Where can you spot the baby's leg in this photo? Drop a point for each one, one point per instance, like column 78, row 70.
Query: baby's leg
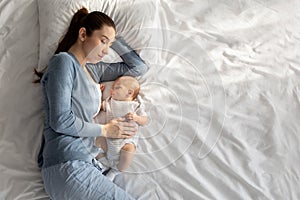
column 126, row 156
column 100, row 142
column 102, row 162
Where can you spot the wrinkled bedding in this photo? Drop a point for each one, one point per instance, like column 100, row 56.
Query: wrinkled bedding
column 222, row 92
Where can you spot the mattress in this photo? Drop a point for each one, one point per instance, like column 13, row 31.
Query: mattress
column 222, row 93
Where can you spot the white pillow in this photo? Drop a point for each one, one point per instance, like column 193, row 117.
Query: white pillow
column 132, row 19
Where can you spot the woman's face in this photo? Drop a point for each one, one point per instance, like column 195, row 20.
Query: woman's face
column 96, row 46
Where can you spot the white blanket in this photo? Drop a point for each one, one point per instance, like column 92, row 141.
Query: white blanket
column 222, row 92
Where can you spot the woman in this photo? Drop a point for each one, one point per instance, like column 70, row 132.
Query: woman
column 72, row 98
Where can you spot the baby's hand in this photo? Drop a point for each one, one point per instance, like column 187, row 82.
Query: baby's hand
column 129, row 116
column 102, row 87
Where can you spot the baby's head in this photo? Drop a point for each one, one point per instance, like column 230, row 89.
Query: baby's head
column 125, row 88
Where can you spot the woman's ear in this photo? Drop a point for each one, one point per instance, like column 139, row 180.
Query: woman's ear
column 82, row 34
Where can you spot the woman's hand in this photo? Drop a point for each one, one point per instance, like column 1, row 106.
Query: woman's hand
column 119, row 128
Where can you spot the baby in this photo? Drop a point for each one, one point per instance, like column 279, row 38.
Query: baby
column 122, row 102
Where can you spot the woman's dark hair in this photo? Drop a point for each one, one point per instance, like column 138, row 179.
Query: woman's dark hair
column 82, row 18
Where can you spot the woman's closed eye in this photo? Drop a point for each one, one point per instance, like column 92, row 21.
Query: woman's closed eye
column 104, row 42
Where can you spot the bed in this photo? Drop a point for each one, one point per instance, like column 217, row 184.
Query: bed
column 222, row 92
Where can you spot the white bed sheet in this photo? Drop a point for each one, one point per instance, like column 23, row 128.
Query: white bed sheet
column 222, row 93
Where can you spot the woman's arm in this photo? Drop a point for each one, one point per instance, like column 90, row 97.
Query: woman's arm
column 132, row 64
column 58, row 84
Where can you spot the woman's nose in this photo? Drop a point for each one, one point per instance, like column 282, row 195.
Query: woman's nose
column 105, row 50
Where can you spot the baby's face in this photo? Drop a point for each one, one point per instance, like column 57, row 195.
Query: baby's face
column 119, row 91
